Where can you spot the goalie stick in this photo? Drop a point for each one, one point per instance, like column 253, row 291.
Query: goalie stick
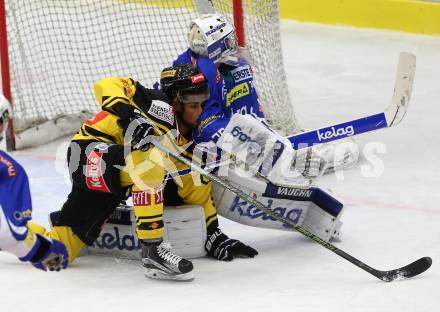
column 410, row 270
column 391, row 117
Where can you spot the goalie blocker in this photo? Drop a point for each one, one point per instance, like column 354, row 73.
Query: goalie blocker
column 313, row 208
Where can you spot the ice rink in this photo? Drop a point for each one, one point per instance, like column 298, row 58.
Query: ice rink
column 392, row 216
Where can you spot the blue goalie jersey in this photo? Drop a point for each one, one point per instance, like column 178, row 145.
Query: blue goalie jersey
column 15, row 197
column 231, row 91
column 240, row 96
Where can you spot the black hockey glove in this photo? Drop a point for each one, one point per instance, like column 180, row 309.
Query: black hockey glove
column 137, row 130
column 221, row 247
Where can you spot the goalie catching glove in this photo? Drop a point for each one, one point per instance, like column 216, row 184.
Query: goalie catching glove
column 221, row 247
column 137, row 130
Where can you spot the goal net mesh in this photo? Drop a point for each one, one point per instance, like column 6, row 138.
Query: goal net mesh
column 58, row 49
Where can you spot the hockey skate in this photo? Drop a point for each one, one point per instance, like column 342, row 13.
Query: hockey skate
column 160, row 263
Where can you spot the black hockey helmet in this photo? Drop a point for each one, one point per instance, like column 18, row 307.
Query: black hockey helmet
column 183, row 79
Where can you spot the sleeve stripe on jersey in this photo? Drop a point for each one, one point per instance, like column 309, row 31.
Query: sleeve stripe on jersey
column 97, row 133
column 148, row 217
column 112, row 99
column 211, row 218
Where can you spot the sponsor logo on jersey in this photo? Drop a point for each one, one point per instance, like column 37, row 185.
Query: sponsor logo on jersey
column 113, row 240
column 128, row 87
column 206, row 121
column 20, row 215
column 94, row 172
column 335, row 132
column 158, row 196
column 12, row 172
column 241, row 73
column 237, row 92
column 218, row 76
column 19, row 232
column 217, row 134
column 27, row 214
column 237, row 132
column 167, row 73
column 243, row 208
column 141, row 198
column 162, row 111
column 213, row 30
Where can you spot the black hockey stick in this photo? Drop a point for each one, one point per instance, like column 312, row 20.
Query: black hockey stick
column 407, row 271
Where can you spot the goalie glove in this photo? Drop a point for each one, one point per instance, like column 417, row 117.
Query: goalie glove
column 309, row 162
column 51, row 255
column 268, row 154
column 221, row 247
column 137, row 129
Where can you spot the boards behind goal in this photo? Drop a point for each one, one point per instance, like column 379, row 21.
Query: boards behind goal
column 57, row 49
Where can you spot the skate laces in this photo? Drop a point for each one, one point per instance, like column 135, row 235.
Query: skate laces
column 164, row 251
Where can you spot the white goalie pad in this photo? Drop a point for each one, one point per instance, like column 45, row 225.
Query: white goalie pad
column 184, row 228
column 313, row 208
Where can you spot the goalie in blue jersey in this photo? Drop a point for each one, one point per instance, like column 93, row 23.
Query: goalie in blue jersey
column 213, row 49
column 16, row 236
column 233, row 121
column 234, row 107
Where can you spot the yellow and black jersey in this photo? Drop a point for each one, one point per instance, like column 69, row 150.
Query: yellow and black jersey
column 119, row 97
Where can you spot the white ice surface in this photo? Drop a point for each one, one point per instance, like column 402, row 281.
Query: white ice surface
column 335, row 74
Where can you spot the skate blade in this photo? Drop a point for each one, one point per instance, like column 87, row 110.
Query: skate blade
column 157, row 274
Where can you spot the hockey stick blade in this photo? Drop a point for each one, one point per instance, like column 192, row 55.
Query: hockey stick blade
column 391, row 117
column 408, row 271
column 402, row 89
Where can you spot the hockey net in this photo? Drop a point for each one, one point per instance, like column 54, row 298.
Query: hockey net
column 58, row 49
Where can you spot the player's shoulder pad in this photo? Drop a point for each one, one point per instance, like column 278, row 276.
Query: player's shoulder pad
column 157, row 94
column 155, row 104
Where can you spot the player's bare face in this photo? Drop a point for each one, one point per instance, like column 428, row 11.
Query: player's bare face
column 191, row 112
column 193, row 106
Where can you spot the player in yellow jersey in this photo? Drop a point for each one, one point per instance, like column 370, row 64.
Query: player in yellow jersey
column 110, row 158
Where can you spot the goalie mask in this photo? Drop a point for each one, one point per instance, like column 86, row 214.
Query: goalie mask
column 5, row 115
column 212, row 36
column 184, row 82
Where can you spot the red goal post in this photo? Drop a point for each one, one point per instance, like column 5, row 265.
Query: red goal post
column 52, row 52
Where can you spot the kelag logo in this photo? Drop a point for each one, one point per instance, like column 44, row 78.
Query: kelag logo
column 247, row 210
column 109, row 240
column 335, row 132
